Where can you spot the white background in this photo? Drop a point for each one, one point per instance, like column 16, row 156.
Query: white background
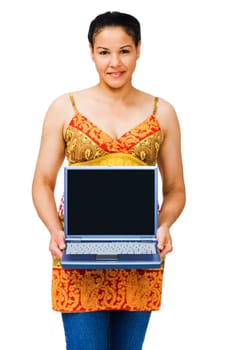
column 44, row 53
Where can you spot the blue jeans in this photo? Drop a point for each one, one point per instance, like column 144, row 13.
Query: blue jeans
column 105, row 330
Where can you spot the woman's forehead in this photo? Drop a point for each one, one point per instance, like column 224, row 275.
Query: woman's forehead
column 109, row 35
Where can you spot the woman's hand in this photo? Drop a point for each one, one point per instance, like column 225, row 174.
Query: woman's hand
column 164, row 240
column 57, row 244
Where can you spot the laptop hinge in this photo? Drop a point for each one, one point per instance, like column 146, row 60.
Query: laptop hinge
column 110, row 238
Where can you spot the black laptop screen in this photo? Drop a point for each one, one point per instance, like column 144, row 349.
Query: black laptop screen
column 110, row 201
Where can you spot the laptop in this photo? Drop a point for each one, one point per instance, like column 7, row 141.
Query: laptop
column 110, row 217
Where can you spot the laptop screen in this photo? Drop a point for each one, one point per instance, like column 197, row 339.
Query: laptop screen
column 110, row 200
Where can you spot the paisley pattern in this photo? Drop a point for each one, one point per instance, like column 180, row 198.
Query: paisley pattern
column 93, row 290
column 85, row 141
column 110, row 289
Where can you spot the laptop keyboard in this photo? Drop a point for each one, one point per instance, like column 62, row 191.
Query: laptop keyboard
column 111, row 248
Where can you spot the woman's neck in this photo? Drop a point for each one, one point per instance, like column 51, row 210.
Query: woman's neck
column 125, row 94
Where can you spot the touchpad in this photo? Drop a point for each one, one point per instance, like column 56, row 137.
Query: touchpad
column 107, row 257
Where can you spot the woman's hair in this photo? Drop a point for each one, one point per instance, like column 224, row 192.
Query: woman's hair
column 115, row 19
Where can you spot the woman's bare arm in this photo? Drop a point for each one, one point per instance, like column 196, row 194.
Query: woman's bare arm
column 171, row 170
column 50, row 158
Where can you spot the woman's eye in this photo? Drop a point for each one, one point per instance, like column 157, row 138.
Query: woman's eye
column 124, row 51
column 103, row 52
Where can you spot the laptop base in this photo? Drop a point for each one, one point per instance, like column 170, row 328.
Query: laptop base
column 92, row 261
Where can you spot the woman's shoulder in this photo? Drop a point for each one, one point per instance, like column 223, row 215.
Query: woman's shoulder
column 167, row 115
column 59, row 104
column 165, row 106
column 60, row 110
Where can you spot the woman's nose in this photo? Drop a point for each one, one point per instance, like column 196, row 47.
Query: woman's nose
column 115, row 60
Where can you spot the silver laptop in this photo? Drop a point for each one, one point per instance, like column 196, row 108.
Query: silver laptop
column 110, row 217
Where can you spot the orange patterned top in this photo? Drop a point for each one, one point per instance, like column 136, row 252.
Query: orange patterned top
column 75, row 290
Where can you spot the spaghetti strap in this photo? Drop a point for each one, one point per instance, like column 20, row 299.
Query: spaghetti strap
column 73, row 102
column 155, row 109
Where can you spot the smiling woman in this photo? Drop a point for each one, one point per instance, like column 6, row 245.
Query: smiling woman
column 115, row 55
column 110, row 122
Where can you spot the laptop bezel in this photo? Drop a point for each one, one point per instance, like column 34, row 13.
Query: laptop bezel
column 107, row 237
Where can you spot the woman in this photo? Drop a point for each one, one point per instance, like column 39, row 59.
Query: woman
column 109, row 309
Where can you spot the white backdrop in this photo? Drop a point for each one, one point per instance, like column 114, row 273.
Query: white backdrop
column 44, row 53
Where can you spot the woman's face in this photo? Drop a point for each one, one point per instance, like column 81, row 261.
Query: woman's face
column 115, row 55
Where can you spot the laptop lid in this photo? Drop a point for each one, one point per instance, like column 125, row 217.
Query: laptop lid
column 110, row 202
